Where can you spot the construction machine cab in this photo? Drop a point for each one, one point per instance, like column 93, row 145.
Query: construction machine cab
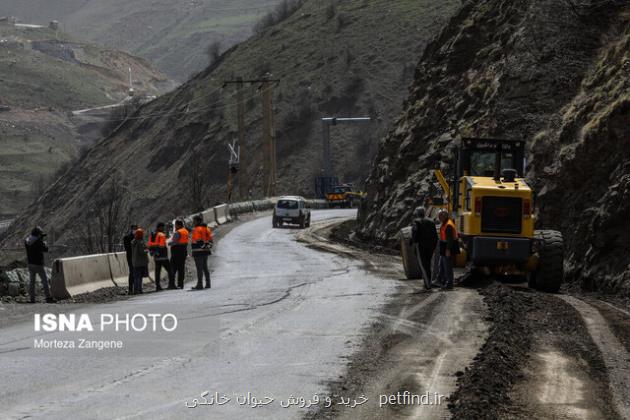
column 489, row 158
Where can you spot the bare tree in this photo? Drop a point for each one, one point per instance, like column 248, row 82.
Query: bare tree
column 196, row 183
column 108, row 218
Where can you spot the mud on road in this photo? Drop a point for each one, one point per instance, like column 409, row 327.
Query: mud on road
column 507, row 352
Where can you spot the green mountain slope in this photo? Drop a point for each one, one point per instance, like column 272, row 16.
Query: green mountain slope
column 43, row 76
column 40, row 67
column 172, row 35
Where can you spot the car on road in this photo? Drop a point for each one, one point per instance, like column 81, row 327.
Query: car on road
column 291, row 209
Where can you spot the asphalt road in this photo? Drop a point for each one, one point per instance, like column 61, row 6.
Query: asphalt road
column 280, row 321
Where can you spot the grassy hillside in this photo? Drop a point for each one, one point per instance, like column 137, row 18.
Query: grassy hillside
column 44, row 75
column 353, row 58
column 554, row 74
column 172, row 35
column 44, row 68
column 34, row 145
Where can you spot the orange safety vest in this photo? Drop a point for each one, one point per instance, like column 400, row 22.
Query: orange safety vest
column 183, row 236
column 158, row 240
column 201, row 233
column 449, row 222
column 157, row 243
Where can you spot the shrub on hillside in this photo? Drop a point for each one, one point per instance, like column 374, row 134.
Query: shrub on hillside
column 282, row 11
column 331, row 9
column 342, row 21
column 213, row 51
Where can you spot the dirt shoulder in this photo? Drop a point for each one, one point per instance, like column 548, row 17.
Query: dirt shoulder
column 535, row 358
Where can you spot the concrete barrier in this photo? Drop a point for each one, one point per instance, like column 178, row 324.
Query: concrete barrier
column 317, row 204
column 210, row 218
column 76, row 275
column 263, row 205
column 221, row 214
column 241, row 208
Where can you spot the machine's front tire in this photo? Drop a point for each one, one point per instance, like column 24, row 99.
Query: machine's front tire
column 550, row 273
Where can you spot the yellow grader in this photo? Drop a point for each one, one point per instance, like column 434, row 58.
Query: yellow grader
column 493, row 208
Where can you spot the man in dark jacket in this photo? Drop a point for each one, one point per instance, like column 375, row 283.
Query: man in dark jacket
column 127, row 239
column 424, row 238
column 35, row 249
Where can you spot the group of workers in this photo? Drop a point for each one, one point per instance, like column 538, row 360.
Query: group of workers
column 138, row 253
column 424, row 237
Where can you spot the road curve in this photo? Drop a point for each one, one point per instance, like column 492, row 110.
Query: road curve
column 281, row 320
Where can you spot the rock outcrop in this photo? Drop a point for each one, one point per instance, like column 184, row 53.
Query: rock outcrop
column 554, row 73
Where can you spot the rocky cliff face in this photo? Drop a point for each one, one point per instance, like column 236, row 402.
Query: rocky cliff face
column 554, row 73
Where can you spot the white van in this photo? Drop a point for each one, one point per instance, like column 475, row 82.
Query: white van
column 291, row 209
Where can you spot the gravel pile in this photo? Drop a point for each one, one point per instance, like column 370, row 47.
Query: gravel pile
column 483, row 389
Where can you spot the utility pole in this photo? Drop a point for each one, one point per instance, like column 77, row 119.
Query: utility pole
column 326, row 123
column 269, row 137
column 324, row 182
column 243, row 181
column 233, row 166
column 269, row 140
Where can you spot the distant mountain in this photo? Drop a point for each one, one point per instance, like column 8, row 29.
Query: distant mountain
column 173, row 35
column 44, row 75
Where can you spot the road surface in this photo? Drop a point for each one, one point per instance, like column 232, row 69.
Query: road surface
column 279, row 321
column 294, row 315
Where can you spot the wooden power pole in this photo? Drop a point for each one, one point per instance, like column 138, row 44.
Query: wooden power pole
column 269, row 140
column 269, row 137
column 243, row 180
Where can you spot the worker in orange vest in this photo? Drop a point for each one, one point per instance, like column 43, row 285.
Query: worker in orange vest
column 201, row 248
column 179, row 252
column 157, row 248
column 449, row 247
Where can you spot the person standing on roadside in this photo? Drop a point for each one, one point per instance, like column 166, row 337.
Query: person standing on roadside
column 127, row 239
column 140, row 260
column 157, row 248
column 179, row 252
column 449, row 247
column 35, row 249
column 425, row 238
column 201, row 249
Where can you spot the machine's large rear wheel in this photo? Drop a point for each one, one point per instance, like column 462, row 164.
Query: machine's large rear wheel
column 550, row 273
